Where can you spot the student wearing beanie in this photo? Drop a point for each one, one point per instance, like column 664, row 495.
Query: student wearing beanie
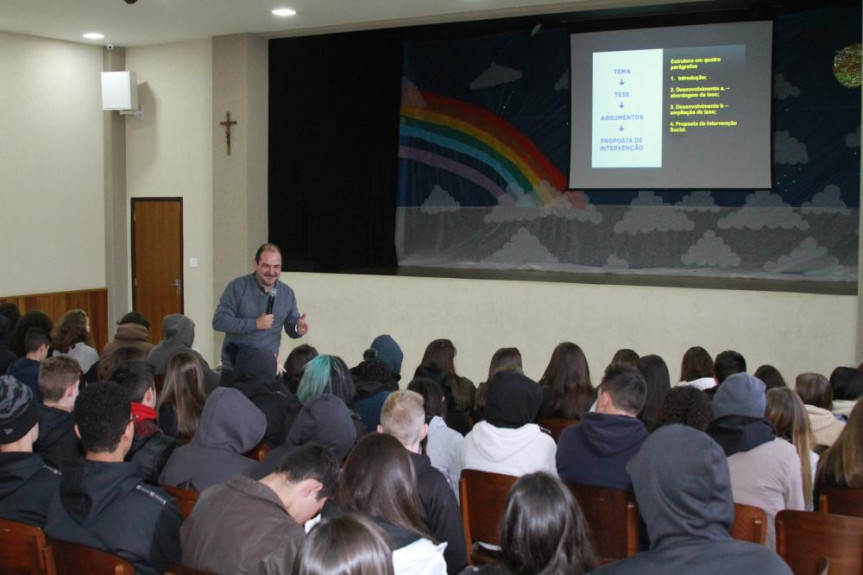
column 390, row 353
column 765, row 469
column 26, row 483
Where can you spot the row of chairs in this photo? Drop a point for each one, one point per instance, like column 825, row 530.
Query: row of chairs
column 614, row 522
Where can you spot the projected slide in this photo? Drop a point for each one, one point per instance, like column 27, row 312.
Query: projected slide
column 684, row 107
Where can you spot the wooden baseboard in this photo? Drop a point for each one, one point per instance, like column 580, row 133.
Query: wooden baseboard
column 93, row 301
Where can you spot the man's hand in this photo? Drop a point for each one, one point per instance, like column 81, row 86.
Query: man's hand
column 302, row 327
column 264, row 321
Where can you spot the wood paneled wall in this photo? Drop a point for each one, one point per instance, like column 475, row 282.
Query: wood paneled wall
column 94, row 302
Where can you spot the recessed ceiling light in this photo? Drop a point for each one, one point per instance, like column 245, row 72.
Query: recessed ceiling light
column 94, row 35
column 284, row 12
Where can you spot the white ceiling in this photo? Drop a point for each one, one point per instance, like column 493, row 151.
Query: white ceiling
column 162, row 21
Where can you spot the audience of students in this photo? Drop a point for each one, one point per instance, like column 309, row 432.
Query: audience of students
column 505, row 358
column 842, row 464
column 847, row 384
column 133, row 330
column 403, row 417
column 596, row 451
column 296, row 363
column 248, row 526
column 817, row 395
column 59, row 381
column 443, row 444
column 655, row 373
column 686, row 405
column 178, row 334
column 542, row 530
column 765, row 469
column 71, row 336
column 230, row 426
column 696, row 369
column 770, row 376
column 508, row 441
column 684, row 492
column 346, row 545
column 442, row 352
column 150, row 447
column 26, row 369
column 27, row 484
column 103, row 501
column 379, row 482
column 566, row 388
column 785, row 410
column 182, row 399
column 325, row 420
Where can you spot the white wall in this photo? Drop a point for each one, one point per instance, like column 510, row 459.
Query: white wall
column 51, row 166
column 794, row 332
column 169, row 154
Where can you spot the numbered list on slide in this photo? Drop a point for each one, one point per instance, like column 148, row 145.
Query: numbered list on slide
column 645, row 101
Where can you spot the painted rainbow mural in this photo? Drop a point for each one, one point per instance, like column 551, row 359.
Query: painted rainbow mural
column 473, row 131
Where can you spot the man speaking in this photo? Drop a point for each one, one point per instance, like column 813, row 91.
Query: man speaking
column 253, row 308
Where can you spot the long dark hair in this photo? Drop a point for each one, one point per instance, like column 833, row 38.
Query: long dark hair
column 184, row 389
column 655, row 373
column 543, row 530
column 696, row 363
column 568, row 375
column 379, row 481
column 346, row 545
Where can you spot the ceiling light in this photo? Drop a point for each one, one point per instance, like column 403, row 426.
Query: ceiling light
column 94, row 35
column 284, row 12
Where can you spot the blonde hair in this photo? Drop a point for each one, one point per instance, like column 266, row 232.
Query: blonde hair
column 184, row 389
column 403, row 416
column 786, row 412
column 842, row 464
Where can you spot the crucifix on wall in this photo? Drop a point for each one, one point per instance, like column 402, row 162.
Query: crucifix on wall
column 227, row 124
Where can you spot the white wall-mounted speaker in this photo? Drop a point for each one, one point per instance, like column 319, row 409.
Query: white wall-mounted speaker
column 119, row 91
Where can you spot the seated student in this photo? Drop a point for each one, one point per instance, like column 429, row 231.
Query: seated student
column 655, row 373
column 379, row 482
column 842, row 464
column 686, row 405
column 785, row 410
column 255, row 375
column 33, row 318
column 505, row 358
column 542, row 530
column 596, row 451
column 59, row 379
column 374, row 381
column 765, row 469
column 251, row 527
column 151, row 448
column 324, row 419
column 817, row 395
column 182, row 399
column 847, row 385
column 71, row 336
column 178, row 334
column 455, row 418
column 347, row 545
column 26, row 483
column 133, row 330
column 683, row 489
column 403, row 417
column 441, row 353
column 696, row 369
column 230, row 426
column 443, row 444
column 508, row 441
column 104, row 502
column 26, row 369
column 296, row 363
column 566, row 387
column 770, row 376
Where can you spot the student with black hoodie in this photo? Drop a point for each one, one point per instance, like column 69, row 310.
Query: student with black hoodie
column 103, row 501
column 26, row 483
column 683, row 489
column 59, row 378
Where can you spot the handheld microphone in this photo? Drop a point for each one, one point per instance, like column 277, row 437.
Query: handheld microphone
column 271, row 301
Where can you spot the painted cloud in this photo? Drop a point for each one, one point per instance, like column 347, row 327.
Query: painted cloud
column 700, row 201
column 648, row 213
column 615, row 262
column 569, row 205
column 788, row 150
column 710, row 250
column 439, row 201
column 763, row 210
column 827, row 201
column 807, row 258
column 522, row 248
column 784, row 89
column 495, row 75
column 852, row 140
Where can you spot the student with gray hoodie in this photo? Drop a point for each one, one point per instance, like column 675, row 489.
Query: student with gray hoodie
column 230, row 426
column 178, row 334
column 683, row 489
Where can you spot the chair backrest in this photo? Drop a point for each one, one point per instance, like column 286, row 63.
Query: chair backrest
column 750, row 524
column 483, row 498
column 259, row 452
column 556, row 425
column 73, row 559
column 613, row 518
column 807, row 541
column 841, row 501
column 24, row 550
column 186, row 498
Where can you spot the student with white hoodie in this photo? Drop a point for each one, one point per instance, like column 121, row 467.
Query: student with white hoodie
column 508, row 441
column 815, row 391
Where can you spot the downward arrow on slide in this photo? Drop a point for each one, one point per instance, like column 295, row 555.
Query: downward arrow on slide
column 620, row 128
column 621, row 105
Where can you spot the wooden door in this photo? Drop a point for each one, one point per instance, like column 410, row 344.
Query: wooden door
column 157, row 259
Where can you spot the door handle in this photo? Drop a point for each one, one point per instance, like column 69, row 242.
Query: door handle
column 178, row 285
